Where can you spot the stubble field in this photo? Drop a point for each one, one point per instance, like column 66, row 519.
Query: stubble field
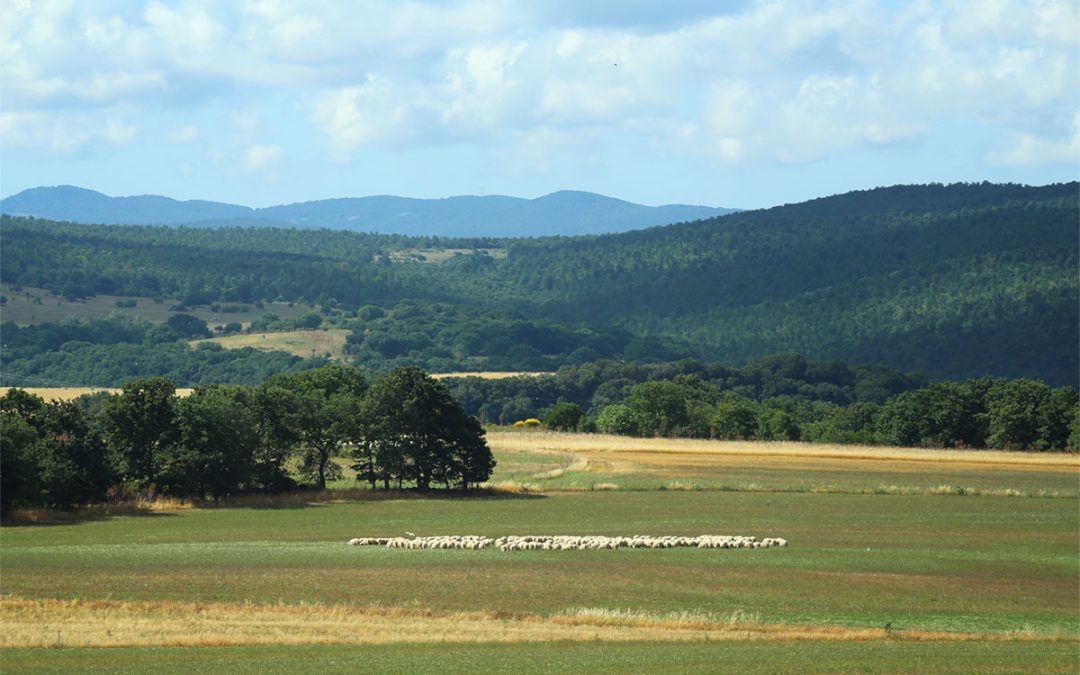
column 970, row 560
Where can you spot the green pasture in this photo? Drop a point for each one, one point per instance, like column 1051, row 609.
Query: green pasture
column 598, row 657
column 31, row 306
column 938, row 562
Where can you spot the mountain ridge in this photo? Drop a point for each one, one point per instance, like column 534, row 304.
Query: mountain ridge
column 565, row 212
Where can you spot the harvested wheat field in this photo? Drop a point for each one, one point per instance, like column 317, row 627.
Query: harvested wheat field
column 71, row 393
column 542, row 461
column 489, row 375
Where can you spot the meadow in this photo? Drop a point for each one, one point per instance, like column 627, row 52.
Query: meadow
column 31, row 306
column 328, row 343
column 899, row 561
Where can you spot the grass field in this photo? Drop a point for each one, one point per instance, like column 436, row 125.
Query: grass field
column 985, row 579
column 31, row 306
column 303, row 343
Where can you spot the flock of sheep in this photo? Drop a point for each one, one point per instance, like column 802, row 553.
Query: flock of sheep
column 567, row 542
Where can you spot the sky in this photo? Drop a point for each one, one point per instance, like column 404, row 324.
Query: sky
column 738, row 104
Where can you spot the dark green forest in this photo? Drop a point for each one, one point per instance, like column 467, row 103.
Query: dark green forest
column 402, row 430
column 957, row 281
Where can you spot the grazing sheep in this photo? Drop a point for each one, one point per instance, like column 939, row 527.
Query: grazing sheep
column 566, row 542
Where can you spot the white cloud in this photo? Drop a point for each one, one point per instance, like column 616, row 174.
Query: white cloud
column 119, row 133
column 745, row 82
column 183, row 134
column 369, row 114
column 1033, row 150
column 262, row 157
column 64, row 134
column 479, row 84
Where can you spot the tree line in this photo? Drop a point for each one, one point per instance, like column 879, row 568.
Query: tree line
column 981, row 413
column 404, row 429
column 593, row 386
column 784, row 397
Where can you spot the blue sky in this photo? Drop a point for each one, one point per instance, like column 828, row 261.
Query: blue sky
column 745, row 104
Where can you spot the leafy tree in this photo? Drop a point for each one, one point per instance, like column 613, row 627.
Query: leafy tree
column 471, row 461
column 855, row 423
column 564, row 417
column 416, row 432
column 775, row 424
column 1059, row 410
column 216, row 446
column 617, row 419
column 140, row 427
column 188, row 326
column 328, row 416
column 659, row 407
column 19, row 471
column 736, row 418
column 1013, row 409
column 276, row 410
column 73, row 465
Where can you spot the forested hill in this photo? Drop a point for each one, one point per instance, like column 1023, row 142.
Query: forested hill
column 560, row 213
column 958, row 281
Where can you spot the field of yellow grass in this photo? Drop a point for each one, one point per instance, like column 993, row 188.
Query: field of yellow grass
column 303, row 343
column 70, row 393
column 542, row 461
column 490, row 375
column 671, row 449
column 44, row 623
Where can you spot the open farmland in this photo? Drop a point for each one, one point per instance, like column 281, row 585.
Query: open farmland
column 72, row 393
column 303, row 343
column 982, row 576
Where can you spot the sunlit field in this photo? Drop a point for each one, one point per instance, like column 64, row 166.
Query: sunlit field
column 71, row 393
column 899, row 560
column 303, row 343
column 541, row 461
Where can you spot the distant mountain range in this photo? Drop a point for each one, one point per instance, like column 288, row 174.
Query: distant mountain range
column 560, row 213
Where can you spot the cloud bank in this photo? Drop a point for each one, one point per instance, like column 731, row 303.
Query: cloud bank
column 735, row 84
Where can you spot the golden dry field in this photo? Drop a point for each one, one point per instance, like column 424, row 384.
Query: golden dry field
column 328, row 343
column 541, row 461
column 70, row 393
column 112, row 623
column 490, row 375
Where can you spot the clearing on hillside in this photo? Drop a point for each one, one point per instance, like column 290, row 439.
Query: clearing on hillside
column 329, row 343
column 31, row 306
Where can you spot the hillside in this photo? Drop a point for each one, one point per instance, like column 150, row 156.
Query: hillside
column 559, row 213
column 958, row 281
